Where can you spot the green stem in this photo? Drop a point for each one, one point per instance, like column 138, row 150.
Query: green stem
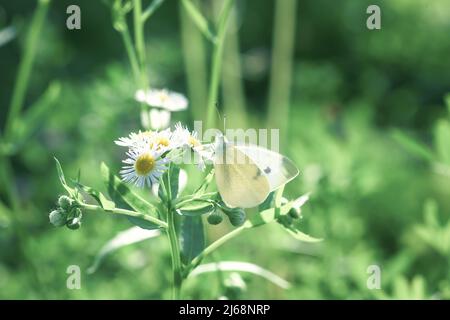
column 125, row 212
column 139, row 42
column 213, row 246
column 17, row 101
column 175, row 252
column 26, row 64
column 232, row 85
column 217, row 62
column 194, row 55
column 151, row 9
column 125, row 33
column 19, row 229
column 281, row 69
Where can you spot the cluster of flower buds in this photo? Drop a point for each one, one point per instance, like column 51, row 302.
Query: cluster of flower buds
column 288, row 219
column 66, row 214
column 235, row 215
column 295, row 213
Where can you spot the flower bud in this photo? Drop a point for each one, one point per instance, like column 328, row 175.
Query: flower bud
column 285, row 220
column 57, row 218
column 236, row 216
column 78, row 213
column 295, row 213
column 215, row 217
column 65, row 203
column 74, row 223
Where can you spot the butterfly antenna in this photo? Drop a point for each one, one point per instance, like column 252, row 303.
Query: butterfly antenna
column 218, row 111
column 224, row 123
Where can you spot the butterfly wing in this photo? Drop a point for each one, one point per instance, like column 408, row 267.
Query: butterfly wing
column 277, row 168
column 240, row 182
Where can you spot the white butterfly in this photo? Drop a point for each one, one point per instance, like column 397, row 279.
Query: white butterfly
column 246, row 174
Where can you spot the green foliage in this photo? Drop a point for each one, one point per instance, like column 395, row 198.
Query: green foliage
column 98, row 196
column 192, row 239
column 367, row 128
column 122, row 194
column 122, row 239
column 169, row 183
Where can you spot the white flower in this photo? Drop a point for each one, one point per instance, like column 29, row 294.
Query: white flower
column 156, row 119
column 184, row 138
column 162, row 141
column 163, row 102
column 163, row 98
column 144, row 166
column 135, row 140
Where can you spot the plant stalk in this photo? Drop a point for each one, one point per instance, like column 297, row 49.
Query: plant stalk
column 26, row 64
column 16, row 106
column 195, row 64
column 281, row 69
column 175, row 252
column 126, row 38
column 217, row 62
column 139, row 43
column 232, row 85
column 125, row 212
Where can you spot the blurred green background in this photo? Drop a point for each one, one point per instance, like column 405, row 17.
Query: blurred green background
column 367, row 125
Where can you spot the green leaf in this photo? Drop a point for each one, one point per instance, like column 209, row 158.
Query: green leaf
column 35, row 116
column 268, row 215
column 442, row 140
column 97, row 195
column 447, row 101
column 169, row 183
column 122, row 239
column 192, row 238
column 199, row 20
column 62, row 179
column 206, row 182
column 416, row 148
column 241, row 267
column 5, row 214
column 196, row 208
column 121, row 193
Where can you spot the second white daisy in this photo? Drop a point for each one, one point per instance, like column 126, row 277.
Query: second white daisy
column 143, row 167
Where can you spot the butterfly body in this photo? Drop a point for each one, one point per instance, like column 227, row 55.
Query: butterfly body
column 246, row 174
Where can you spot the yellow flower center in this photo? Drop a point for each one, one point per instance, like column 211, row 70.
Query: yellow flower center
column 163, row 96
column 193, row 142
column 159, row 143
column 162, row 142
column 144, row 164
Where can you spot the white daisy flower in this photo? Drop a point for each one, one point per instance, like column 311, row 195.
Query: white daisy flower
column 135, row 140
column 156, row 119
column 163, row 102
column 143, row 167
column 162, row 141
column 163, row 98
column 184, row 138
